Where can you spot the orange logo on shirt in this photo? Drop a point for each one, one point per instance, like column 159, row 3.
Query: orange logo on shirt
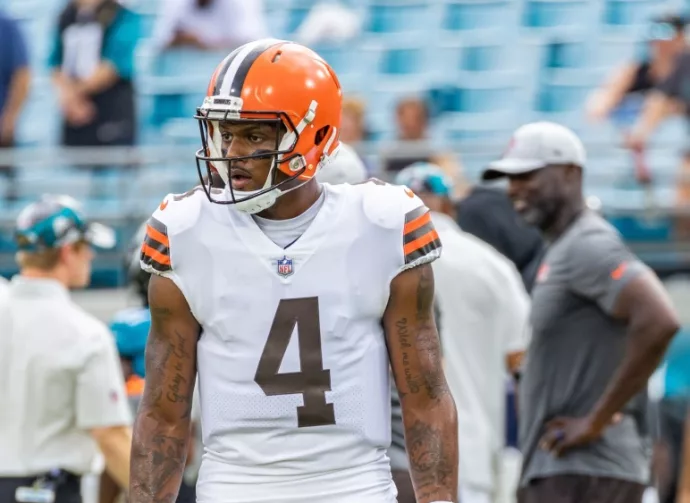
column 163, row 205
column 409, row 192
column 542, row 273
column 619, row 271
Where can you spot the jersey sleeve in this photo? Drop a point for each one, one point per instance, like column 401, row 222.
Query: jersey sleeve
column 155, row 250
column 600, row 266
column 420, row 241
column 175, row 215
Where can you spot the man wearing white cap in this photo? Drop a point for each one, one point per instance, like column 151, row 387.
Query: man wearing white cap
column 601, row 322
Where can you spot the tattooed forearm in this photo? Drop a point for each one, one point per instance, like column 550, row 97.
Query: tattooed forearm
column 433, row 462
column 428, row 408
column 162, row 426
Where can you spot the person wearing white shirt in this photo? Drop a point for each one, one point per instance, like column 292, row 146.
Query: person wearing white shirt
column 209, row 24
column 484, row 327
column 61, row 385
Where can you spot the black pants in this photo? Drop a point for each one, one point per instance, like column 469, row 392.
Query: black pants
column 69, row 492
column 581, row 489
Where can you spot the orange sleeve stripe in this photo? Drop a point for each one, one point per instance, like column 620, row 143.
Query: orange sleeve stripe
column 154, row 254
column 157, row 236
column 418, row 243
column 417, row 223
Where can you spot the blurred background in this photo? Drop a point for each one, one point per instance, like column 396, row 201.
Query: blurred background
column 435, row 80
column 446, row 80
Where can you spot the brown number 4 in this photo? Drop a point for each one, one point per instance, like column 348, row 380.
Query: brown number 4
column 312, row 381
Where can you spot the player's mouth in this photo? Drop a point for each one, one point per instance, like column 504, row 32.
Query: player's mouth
column 240, row 179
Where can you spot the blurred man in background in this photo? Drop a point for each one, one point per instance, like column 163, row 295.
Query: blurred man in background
column 601, row 323
column 15, row 80
column 93, row 68
column 62, row 389
column 213, row 25
column 484, row 310
column 620, row 96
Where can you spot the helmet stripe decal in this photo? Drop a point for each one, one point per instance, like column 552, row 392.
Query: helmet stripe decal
column 230, row 82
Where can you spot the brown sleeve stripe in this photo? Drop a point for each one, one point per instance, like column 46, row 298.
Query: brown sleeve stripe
column 412, row 216
column 423, row 245
column 417, row 233
column 159, row 226
column 155, row 250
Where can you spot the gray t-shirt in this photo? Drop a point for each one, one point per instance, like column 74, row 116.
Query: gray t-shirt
column 575, row 350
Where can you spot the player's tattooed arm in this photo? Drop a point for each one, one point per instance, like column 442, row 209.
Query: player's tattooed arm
column 162, row 426
column 429, row 414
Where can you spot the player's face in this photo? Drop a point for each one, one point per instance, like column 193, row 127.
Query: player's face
column 243, row 139
column 78, row 259
column 539, row 195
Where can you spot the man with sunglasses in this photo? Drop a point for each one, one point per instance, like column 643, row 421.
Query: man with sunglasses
column 61, row 388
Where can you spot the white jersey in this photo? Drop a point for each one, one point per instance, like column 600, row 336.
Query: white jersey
column 293, row 366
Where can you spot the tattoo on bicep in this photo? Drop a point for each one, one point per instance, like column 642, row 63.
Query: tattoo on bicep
column 405, row 338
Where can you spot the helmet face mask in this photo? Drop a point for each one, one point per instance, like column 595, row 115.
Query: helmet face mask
column 276, row 83
column 213, row 156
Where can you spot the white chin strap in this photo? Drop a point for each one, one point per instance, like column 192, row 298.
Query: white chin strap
column 249, row 202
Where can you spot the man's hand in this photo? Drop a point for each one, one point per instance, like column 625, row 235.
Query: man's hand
column 77, row 109
column 564, row 433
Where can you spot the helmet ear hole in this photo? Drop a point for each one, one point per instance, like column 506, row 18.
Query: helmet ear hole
column 321, row 134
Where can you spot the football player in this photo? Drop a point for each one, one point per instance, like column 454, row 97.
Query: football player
column 290, row 298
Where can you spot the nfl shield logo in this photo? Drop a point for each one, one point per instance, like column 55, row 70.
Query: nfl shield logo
column 285, row 267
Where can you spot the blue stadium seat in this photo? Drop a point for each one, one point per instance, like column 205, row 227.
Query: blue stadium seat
column 630, row 12
column 555, row 13
column 295, row 17
column 561, row 54
column 483, row 58
column 561, row 97
column 461, row 15
column 497, row 95
column 399, row 18
column 402, row 61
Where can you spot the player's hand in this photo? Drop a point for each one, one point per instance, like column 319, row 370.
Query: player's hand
column 564, row 433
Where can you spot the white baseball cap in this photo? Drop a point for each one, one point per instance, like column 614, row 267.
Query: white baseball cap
column 535, row 146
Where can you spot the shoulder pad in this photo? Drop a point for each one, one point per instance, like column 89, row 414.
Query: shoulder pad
column 175, row 214
column 387, row 205
column 179, row 212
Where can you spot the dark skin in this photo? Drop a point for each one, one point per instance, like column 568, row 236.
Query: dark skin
column 244, row 139
column 161, row 429
column 551, row 198
column 428, row 408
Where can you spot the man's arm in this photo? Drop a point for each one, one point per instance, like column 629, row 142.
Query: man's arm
column 652, row 322
column 162, row 426
column 429, row 415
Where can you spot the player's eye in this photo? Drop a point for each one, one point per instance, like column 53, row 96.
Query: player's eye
column 253, row 138
column 226, row 136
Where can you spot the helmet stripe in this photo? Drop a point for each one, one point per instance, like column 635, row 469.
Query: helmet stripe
column 231, row 79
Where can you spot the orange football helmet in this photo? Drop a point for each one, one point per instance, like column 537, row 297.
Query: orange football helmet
column 271, row 81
